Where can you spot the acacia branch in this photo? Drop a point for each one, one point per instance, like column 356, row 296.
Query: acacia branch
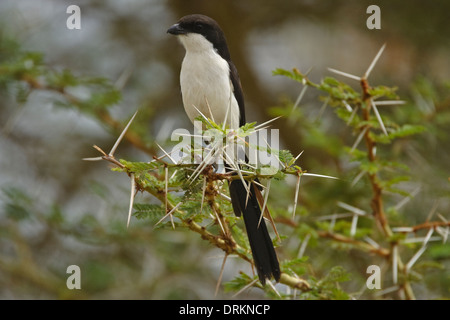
column 377, row 200
column 364, row 246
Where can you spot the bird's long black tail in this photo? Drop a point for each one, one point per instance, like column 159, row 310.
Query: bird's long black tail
column 264, row 255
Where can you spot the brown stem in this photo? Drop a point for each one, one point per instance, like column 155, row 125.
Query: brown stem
column 377, row 199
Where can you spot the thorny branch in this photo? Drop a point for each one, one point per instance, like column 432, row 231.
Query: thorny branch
column 224, row 241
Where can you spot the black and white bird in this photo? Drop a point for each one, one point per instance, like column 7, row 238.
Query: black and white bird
column 210, row 84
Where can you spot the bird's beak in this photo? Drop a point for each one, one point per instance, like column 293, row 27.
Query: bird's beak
column 176, row 29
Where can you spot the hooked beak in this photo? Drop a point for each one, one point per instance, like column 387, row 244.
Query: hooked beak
column 176, row 29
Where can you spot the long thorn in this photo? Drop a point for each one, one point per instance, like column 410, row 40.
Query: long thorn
column 267, row 122
column 245, row 288
column 351, row 208
column 221, row 274
column 318, row 175
column 298, row 156
column 203, row 194
column 166, row 154
column 395, row 264
column 92, row 159
column 273, row 288
column 166, row 185
column 302, row 249
column 374, row 61
column 352, row 115
column 297, row 188
column 133, row 191
column 202, row 166
column 345, row 74
column 407, row 198
column 169, row 214
column 357, row 178
column 113, row 149
column 238, row 170
column 203, row 116
column 354, row 224
column 218, row 220
column 359, row 138
column 347, row 106
column 377, row 114
column 299, row 98
column 415, row 258
column 209, row 109
column 266, row 195
column 389, row 102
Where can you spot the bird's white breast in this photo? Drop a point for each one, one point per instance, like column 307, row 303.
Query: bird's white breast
column 205, row 82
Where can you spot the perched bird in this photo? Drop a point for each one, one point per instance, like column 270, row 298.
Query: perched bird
column 210, row 84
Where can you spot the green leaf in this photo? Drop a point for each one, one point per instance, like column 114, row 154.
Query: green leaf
column 148, row 211
column 406, row 130
column 383, row 91
column 237, row 283
column 294, row 74
column 439, row 251
column 18, row 204
column 60, row 80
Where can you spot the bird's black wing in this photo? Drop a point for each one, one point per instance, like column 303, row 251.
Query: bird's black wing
column 236, row 82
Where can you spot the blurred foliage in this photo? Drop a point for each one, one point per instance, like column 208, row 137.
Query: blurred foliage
column 40, row 237
column 384, row 171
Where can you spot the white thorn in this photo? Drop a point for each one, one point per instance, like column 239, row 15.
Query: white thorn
column 93, row 159
column 386, row 291
column 359, row 138
column 351, row 208
column 219, row 280
column 357, row 178
column 347, row 106
column 266, row 195
column 352, row 115
column 403, row 229
column 371, row 242
column 166, row 154
column 407, row 199
column 297, row 188
column 267, row 122
column 318, row 175
column 245, row 288
column 354, row 224
column 169, row 214
column 210, row 112
column 389, row 102
column 273, row 288
column 415, row 257
column 300, row 97
column 133, row 190
column 113, row 149
column 374, row 61
column 395, row 264
column 203, row 116
column 303, row 245
column 298, row 156
column 427, row 237
column 203, row 194
column 377, row 114
column 345, row 74
column 166, row 185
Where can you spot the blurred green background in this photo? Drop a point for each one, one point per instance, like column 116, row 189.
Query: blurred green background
column 56, row 210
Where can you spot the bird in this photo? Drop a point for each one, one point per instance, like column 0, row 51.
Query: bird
column 210, row 84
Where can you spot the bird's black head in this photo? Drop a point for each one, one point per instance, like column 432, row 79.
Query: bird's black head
column 205, row 26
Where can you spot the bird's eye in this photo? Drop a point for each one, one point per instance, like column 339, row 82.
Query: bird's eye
column 198, row 27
